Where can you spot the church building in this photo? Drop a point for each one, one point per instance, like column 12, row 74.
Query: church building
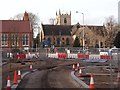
column 59, row 34
column 64, row 34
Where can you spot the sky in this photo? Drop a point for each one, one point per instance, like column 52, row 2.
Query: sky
column 95, row 11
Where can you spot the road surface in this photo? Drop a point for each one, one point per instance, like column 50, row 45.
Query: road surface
column 57, row 77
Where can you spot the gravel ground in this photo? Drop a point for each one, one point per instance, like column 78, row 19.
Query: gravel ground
column 59, row 76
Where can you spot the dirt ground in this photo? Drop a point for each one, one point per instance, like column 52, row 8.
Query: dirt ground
column 9, row 68
column 56, row 74
column 102, row 78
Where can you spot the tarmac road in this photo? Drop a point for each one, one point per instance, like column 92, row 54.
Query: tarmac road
column 58, row 77
column 34, row 80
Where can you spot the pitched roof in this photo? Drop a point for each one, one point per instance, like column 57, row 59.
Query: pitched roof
column 57, row 29
column 98, row 30
column 15, row 26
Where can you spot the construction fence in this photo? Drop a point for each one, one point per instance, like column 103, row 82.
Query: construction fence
column 65, row 53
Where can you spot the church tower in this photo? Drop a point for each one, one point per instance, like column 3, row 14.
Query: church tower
column 63, row 19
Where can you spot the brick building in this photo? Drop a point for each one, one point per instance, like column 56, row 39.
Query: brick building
column 63, row 32
column 16, row 33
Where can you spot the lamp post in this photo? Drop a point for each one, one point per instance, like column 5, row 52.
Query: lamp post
column 83, row 30
column 110, row 65
column 84, row 51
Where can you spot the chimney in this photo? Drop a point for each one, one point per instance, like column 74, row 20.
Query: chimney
column 26, row 16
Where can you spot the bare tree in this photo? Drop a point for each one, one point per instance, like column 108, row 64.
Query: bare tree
column 17, row 17
column 52, row 21
column 111, row 27
column 34, row 20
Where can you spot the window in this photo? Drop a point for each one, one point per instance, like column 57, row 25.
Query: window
column 58, row 41
column 101, row 44
column 4, row 39
column 25, row 39
column 65, row 20
column 14, row 39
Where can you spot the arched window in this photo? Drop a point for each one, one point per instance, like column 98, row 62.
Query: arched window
column 67, row 41
column 101, row 44
column 58, row 41
column 85, row 42
column 65, row 20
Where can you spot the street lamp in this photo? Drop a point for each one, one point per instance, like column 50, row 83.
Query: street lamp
column 84, row 51
column 83, row 30
column 110, row 65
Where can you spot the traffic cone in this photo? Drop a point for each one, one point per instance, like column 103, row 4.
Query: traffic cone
column 118, row 76
column 91, row 82
column 73, row 67
column 31, row 67
column 19, row 75
column 15, row 80
column 8, row 83
column 80, row 72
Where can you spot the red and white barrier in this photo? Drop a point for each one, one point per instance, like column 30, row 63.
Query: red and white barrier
column 62, row 55
column 78, row 56
column 105, row 57
column 73, row 56
column 53, row 55
column 94, row 56
column 82, row 56
column 20, row 56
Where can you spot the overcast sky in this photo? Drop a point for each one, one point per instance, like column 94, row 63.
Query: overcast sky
column 95, row 11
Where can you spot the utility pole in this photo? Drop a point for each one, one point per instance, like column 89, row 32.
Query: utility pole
column 84, row 51
column 110, row 65
column 83, row 30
